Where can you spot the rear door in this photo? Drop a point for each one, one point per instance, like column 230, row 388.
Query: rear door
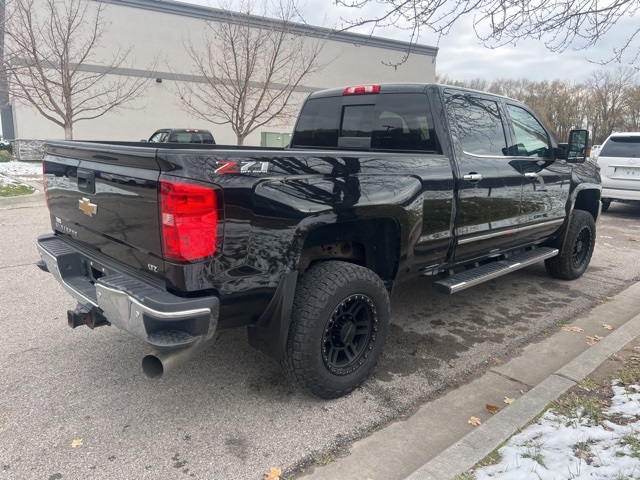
column 489, row 185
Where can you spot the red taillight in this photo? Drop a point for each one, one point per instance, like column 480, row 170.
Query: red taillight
column 360, row 89
column 44, row 183
column 189, row 215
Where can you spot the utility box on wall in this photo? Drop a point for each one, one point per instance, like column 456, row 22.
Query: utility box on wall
column 275, row 140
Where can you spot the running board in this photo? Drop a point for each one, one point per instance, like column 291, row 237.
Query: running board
column 475, row 276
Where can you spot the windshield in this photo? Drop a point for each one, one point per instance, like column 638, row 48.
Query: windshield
column 621, row 147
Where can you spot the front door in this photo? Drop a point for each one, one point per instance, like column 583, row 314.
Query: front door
column 546, row 181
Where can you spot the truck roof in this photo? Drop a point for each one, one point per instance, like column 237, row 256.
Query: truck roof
column 400, row 88
column 384, row 88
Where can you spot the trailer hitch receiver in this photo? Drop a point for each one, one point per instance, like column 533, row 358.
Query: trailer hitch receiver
column 83, row 315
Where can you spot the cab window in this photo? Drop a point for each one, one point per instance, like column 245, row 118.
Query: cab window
column 479, row 124
column 158, row 137
column 531, row 139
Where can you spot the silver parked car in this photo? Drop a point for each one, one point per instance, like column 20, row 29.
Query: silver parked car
column 619, row 162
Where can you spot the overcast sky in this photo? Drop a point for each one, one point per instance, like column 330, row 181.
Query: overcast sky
column 462, row 57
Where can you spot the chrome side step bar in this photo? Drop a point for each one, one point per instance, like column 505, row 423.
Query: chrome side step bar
column 469, row 278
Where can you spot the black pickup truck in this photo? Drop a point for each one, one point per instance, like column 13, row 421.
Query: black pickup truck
column 303, row 245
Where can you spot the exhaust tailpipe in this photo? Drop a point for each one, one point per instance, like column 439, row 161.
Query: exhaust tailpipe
column 156, row 364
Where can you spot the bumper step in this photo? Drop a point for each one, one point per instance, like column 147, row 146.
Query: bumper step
column 469, row 278
column 171, row 339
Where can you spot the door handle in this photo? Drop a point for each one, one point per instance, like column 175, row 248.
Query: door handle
column 472, row 177
column 531, row 175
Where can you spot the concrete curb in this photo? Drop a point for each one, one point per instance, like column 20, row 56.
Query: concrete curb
column 33, row 198
column 12, row 202
column 476, row 445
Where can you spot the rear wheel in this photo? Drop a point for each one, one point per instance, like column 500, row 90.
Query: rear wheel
column 605, row 205
column 574, row 258
column 338, row 328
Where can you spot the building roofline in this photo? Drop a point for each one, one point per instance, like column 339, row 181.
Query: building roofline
column 208, row 13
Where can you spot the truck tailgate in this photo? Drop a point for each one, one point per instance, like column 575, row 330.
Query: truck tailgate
column 107, row 198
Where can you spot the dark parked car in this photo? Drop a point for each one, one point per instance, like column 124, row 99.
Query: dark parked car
column 182, row 135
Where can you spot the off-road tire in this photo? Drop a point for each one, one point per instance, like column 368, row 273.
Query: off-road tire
column 338, row 328
column 575, row 256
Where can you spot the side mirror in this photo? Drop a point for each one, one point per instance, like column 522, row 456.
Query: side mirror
column 578, row 146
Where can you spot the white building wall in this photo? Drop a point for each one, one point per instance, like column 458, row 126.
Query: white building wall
column 157, row 38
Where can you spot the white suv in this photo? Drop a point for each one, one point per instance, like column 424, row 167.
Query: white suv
column 619, row 162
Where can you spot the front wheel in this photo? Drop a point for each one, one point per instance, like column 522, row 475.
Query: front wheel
column 338, row 328
column 575, row 256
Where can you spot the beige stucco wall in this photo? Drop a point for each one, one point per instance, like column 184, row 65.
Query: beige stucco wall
column 157, row 41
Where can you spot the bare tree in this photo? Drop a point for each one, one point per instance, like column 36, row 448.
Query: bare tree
column 607, row 95
column 51, row 55
column 250, row 69
column 632, row 104
column 561, row 24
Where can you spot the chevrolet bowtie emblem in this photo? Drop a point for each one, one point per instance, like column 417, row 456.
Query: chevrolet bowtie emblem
column 87, row 207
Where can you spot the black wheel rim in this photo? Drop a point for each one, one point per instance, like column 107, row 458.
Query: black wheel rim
column 581, row 247
column 350, row 334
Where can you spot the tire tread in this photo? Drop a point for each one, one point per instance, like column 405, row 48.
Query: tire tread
column 319, row 283
column 561, row 266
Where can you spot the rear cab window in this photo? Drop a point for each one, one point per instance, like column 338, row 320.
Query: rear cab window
column 191, row 136
column 382, row 122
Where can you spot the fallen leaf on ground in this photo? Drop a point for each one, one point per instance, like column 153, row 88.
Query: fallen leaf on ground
column 592, row 340
column 522, row 392
column 573, row 329
column 274, row 474
column 76, row 443
column 607, row 327
column 492, row 408
column 508, row 400
column 605, row 299
column 631, row 239
column 475, row 421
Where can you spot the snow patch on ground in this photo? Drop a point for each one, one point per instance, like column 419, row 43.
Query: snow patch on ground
column 11, row 173
column 562, row 448
column 20, row 168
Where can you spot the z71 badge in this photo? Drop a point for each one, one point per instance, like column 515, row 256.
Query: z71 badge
column 241, row 166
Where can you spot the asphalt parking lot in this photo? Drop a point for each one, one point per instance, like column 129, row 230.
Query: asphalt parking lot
column 76, row 405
